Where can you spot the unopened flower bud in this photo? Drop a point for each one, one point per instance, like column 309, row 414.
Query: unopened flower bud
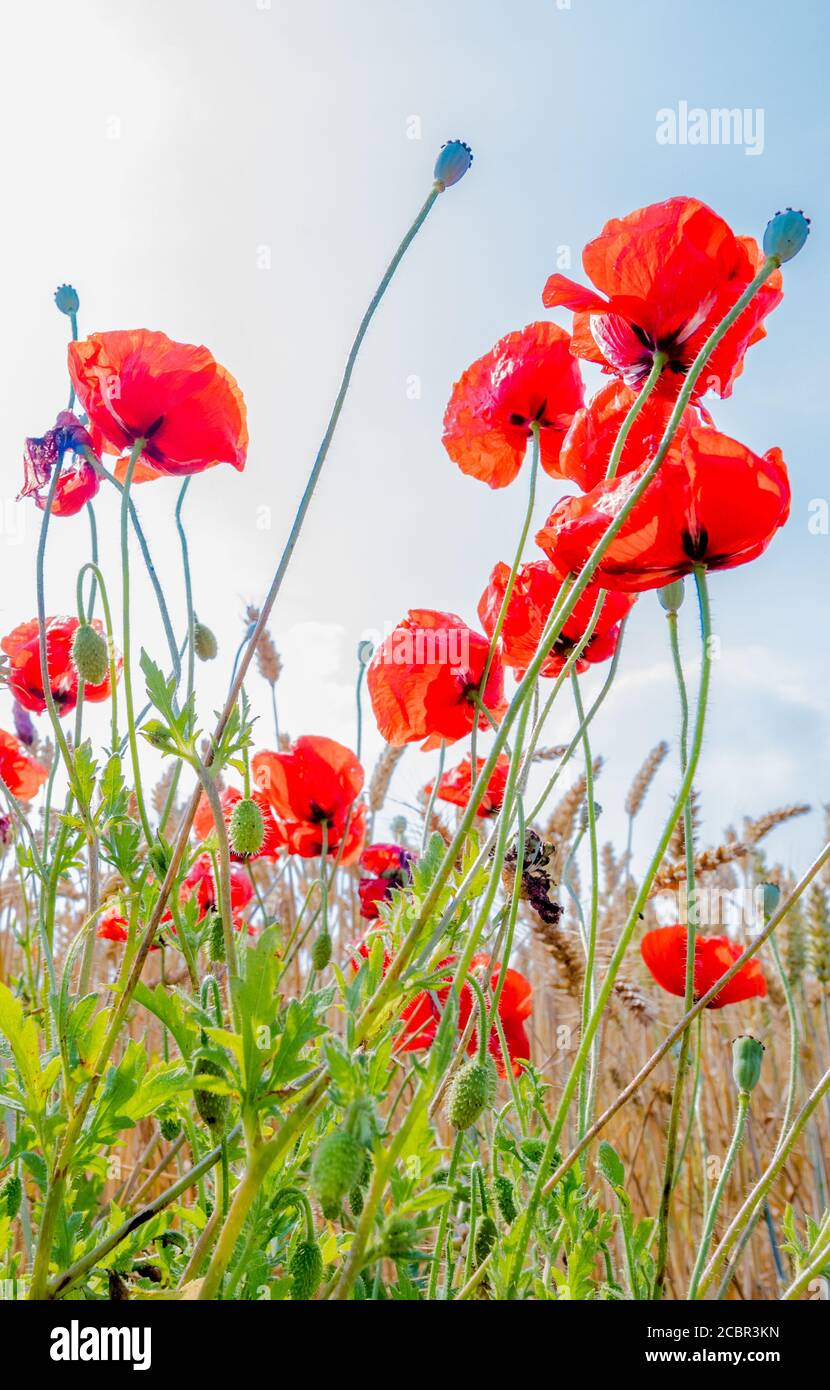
column 247, row 828
column 89, row 654
column 452, row 163
column 785, row 234
column 321, row 951
column 747, row 1056
column 306, row 1270
column 204, row 643
column 771, row 898
column 472, row 1091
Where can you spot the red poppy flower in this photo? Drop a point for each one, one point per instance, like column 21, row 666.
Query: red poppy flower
column 424, row 677
column 199, row 882
column 664, row 952
column 78, row 482
column 587, row 447
column 390, row 867
column 668, row 274
column 142, row 385
column 315, row 784
column 713, row 502
column 528, row 376
column 25, row 680
column 455, row 786
column 22, row 774
column 534, row 594
column 113, row 927
column 203, row 824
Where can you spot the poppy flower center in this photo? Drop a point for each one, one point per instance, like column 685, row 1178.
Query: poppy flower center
column 696, row 546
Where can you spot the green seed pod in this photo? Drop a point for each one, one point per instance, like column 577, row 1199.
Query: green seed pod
column 671, row 596
column 486, row 1234
column 204, row 643
column 216, row 947
column 398, row 1237
column 321, row 951
column 472, row 1091
column 247, row 828
column 89, row 654
column 504, row 1199
column 306, row 1270
column 170, row 1125
column 11, row 1195
column 213, row 1108
column 338, row 1164
column 747, row 1056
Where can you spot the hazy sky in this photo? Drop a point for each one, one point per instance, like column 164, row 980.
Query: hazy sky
column 238, row 174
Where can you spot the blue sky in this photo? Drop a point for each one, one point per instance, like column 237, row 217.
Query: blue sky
column 238, row 174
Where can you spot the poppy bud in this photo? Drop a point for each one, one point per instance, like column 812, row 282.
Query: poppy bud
column 472, row 1091
column 337, row 1166
column 356, row 1194
column 452, row 163
column 89, row 654
column 671, row 596
column 170, row 1126
column 785, row 234
column 486, row 1234
column 66, row 298
column 216, row 949
column 306, row 1270
column 398, row 1237
column 771, row 899
column 747, row 1056
column 247, row 828
column 213, row 1108
column 321, row 951
column 503, row 1197
column 204, row 642
column 11, row 1195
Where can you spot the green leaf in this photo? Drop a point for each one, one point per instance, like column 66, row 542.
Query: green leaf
column 611, row 1165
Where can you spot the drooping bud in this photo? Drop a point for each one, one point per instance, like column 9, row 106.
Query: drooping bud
column 247, row 828
column 89, row 654
column 671, row 596
column 306, row 1270
column 204, row 643
column 170, row 1125
column 486, row 1235
column 785, row 234
column 472, row 1091
column 747, row 1056
column 452, row 163
column 337, row 1166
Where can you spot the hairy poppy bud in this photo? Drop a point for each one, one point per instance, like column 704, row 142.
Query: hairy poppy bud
column 204, row 643
column 89, row 654
column 671, row 596
column 452, row 163
column 216, row 946
column 785, row 234
column 747, row 1056
column 11, row 1195
column 213, row 1108
column 170, row 1125
column 306, row 1270
column 356, row 1194
column 398, row 1237
column 321, row 951
column 338, row 1164
column 472, row 1091
column 247, row 828
column 486, row 1234
column 67, row 300
column 503, row 1197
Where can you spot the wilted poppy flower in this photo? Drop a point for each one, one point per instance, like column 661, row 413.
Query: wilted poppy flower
column 142, row 385
column 315, row 784
column 664, row 952
column 425, row 676
column 24, row 678
column 203, row 824
column 113, row 927
column 22, row 774
column 455, row 786
column 668, row 274
column 588, row 445
column 389, row 867
column 713, row 502
column 534, row 594
column 529, row 377
column 78, row 482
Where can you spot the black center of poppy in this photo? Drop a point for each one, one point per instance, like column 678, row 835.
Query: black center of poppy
column 696, row 546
